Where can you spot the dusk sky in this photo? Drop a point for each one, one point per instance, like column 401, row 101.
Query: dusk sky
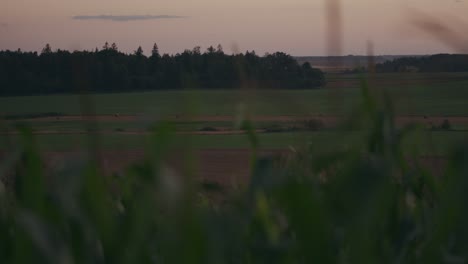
column 297, row 27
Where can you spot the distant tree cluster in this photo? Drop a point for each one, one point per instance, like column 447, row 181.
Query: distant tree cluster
column 434, row 63
column 109, row 70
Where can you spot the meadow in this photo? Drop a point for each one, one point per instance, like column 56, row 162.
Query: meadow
column 413, row 94
column 211, row 117
column 437, row 143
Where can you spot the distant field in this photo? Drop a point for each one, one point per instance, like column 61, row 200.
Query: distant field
column 125, row 119
column 428, row 143
column 414, row 94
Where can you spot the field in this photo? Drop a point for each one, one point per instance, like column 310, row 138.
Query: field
column 266, row 175
column 209, row 120
column 414, row 94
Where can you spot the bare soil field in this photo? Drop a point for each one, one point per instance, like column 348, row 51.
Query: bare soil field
column 328, row 121
column 99, row 118
column 227, row 168
column 219, row 131
column 220, row 118
column 224, row 167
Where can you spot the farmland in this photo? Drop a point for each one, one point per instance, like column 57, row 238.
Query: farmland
column 209, row 122
column 414, row 94
column 436, row 96
column 211, row 138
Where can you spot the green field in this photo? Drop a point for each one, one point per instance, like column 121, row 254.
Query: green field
column 440, row 94
column 427, row 143
column 413, row 94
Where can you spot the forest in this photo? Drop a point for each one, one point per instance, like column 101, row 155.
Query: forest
column 110, row 70
column 434, row 63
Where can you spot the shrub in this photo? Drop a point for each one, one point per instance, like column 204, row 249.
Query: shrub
column 208, row 129
column 313, row 125
column 275, row 129
column 33, row 116
column 446, row 125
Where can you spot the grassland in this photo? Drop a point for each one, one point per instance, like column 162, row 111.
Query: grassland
column 127, row 118
column 414, row 94
column 428, row 143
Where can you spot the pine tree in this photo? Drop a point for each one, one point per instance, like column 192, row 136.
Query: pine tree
column 155, row 51
column 139, row 52
column 220, row 49
column 106, row 46
column 47, row 49
column 211, row 50
column 197, row 50
column 114, row 47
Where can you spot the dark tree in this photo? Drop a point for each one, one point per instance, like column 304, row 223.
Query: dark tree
column 434, row 63
column 108, row 70
column 219, row 49
column 197, row 50
column 47, row 49
column 139, row 52
column 155, row 51
column 211, row 50
column 114, row 47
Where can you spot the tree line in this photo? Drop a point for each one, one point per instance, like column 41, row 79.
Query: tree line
column 434, row 63
column 110, row 70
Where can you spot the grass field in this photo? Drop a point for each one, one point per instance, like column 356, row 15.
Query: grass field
column 122, row 114
column 414, row 94
column 428, row 143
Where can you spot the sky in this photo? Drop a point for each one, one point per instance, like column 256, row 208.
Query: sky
column 298, row 27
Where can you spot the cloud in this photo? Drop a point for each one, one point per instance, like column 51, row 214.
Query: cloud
column 125, row 18
column 3, row 24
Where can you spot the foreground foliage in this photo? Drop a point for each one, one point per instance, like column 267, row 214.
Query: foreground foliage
column 368, row 203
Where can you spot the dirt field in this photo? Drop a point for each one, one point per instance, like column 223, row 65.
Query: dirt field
column 283, row 118
column 220, row 131
column 225, row 167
